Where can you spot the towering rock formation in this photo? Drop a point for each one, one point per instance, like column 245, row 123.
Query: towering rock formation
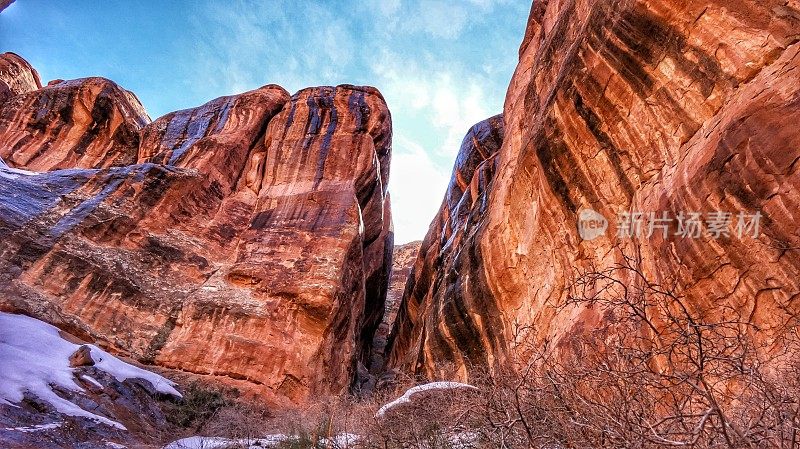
column 16, row 76
column 643, row 105
column 445, row 288
column 403, row 259
column 249, row 238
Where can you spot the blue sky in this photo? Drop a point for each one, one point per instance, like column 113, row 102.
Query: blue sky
column 442, row 65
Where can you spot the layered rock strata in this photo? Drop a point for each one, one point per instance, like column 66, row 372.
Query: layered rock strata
column 17, row 76
column 445, row 288
column 86, row 123
column 247, row 239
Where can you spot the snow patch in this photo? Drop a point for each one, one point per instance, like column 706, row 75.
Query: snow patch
column 198, row 442
column 122, row 371
column 36, row 359
column 114, row 445
column 37, row 428
column 464, row 440
column 92, row 380
column 340, row 441
column 406, row 397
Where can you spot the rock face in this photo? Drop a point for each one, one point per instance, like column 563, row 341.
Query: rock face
column 87, row 123
column 403, row 260
column 437, row 295
column 248, row 239
column 650, row 106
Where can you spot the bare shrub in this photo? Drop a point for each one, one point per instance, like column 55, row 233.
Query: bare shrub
column 433, row 419
column 666, row 373
column 243, row 421
column 198, row 405
column 662, row 372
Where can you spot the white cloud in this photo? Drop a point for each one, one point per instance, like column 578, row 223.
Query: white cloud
column 389, row 7
column 449, row 100
column 433, row 107
column 413, row 51
column 417, row 186
column 246, row 44
column 441, row 19
column 456, row 107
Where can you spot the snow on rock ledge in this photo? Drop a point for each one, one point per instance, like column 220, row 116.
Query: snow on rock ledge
column 406, row 397
column 35, row 360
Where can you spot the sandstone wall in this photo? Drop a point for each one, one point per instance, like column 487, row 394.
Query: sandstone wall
column 248, row 239
column 640, row 105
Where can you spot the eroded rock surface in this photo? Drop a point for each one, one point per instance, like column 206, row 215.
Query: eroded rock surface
column 444, row 285
column 248, row 239
column 17, row 76
column 86, row 123
column 648, row 105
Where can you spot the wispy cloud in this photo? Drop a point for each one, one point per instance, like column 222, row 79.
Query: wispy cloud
column 448, row 100
column 244, row 44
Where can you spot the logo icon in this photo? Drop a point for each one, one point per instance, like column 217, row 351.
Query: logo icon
column 591, row 224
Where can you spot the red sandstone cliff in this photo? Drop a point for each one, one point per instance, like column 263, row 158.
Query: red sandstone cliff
column 445, row 287
column 247, row 239
column 87, row 123
column 620, row 106
column 5, row 4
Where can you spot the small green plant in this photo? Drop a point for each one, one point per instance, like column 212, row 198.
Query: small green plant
column 199, row 404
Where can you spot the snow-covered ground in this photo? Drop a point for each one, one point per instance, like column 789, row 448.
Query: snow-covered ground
column 220, row 443
column 406, row 397
column 35, row 359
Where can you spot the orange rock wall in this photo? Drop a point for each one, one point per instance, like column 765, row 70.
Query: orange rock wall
column 248, row 239
column 641, row 105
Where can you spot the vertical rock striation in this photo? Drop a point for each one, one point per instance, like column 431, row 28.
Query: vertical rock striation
column 445, row 288
column 247, row 239
column 403, row 259
column 643, row 105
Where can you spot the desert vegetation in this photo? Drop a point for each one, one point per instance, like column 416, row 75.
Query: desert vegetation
column 669, row 374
